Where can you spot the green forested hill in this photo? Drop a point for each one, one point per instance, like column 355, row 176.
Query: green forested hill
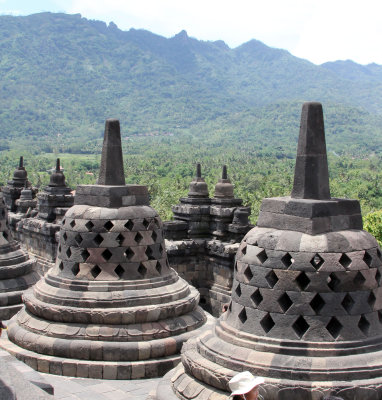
column 63, row 75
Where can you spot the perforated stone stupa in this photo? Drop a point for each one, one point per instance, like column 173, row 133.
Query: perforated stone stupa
column 16, row 269
column 111, row 307
column 306, row 306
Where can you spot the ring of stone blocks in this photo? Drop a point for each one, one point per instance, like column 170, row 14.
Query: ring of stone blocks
column 217, row 373
column 108, row 298
column 10, row 298
column 113, row 314
column 7, row 248
column 211, row 352
column 17, row 266
column 19, row 283
column 93, row 369
column 145, row 331
column 105, row 349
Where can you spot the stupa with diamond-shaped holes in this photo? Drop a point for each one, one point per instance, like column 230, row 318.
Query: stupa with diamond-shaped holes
column 111, row 307
column 306, row 305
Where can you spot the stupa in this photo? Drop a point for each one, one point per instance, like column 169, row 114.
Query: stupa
column 306, row 304
column 111, row 307
column 16, row 269
column 39, row 232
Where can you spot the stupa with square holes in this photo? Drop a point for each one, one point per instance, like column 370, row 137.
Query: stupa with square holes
column 111, row 307
column 306, row 305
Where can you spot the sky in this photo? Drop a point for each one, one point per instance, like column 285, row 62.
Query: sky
column 317, row 30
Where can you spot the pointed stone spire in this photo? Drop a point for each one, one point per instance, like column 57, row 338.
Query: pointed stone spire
column 111, row 170
column 311, row 177
column 21, row 163
column 57, row 179
column 198, row 187
column 224, row 188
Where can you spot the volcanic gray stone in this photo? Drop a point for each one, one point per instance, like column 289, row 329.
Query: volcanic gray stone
column 16, row 269
column 305, row 310
column 311, row 178
column 111, row 168
column 111, row 307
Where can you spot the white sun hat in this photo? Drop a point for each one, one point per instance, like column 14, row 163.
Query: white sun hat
column 244, row 382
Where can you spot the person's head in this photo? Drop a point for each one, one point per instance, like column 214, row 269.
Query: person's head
column 245, row 386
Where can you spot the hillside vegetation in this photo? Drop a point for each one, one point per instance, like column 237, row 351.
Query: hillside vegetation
column 179, row 100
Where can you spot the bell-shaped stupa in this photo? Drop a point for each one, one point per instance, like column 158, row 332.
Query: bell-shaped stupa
column 16, row 269
column 306, row 304
column 111, row 307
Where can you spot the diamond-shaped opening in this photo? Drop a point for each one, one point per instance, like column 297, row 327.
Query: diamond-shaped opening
column 73, row 223
column 142, row 269
column 61, row 266
column 59, row 249
column 85, row 254
column 271, row 278
column 257, row 297
column 367, row 258
column 129, row 225
column 333, row 281
column 238, row 290
column 68, row 252
column 317, row 303
column 300, row 326
column 146, row 223
column 364, row 325
column 78, row 239
column 262, row 256
column 317, row 261
column 236, row 267
column 157, row 222
column 5, row 235
column 63, row 221
column 120, row 238
column 348, row 303
column 108, row 225
column 89, row 225
column 248, row 274
column 285, row 302
column 129, row 253
column 267, row 323
column 334, row 327
column 345, row 260
column 287, row 260
column 243, row 316
column 149, row 253
column 371, row 300
column 302, row 281
column 76, row 269
column 98, row 239
column 230, row 306
column 244, row 249
column 119, row 271
column 378, row 277
column 154, row 236
column 160, row 249
column 379, row 253
column 138, row 238
column 95, row 271
column 107, row 254
column 64, row 236
column 158, row 267
column 359, row 279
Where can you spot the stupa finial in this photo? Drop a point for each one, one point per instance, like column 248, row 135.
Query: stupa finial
column 224, row 172
column 58, row 168
column 21, row 162
column 198, row 170
column 311, row 177
column 111, row 170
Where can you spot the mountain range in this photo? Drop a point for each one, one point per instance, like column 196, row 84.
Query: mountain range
column 63, row 75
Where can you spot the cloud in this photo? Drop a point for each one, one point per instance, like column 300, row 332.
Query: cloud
column 317, row 30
